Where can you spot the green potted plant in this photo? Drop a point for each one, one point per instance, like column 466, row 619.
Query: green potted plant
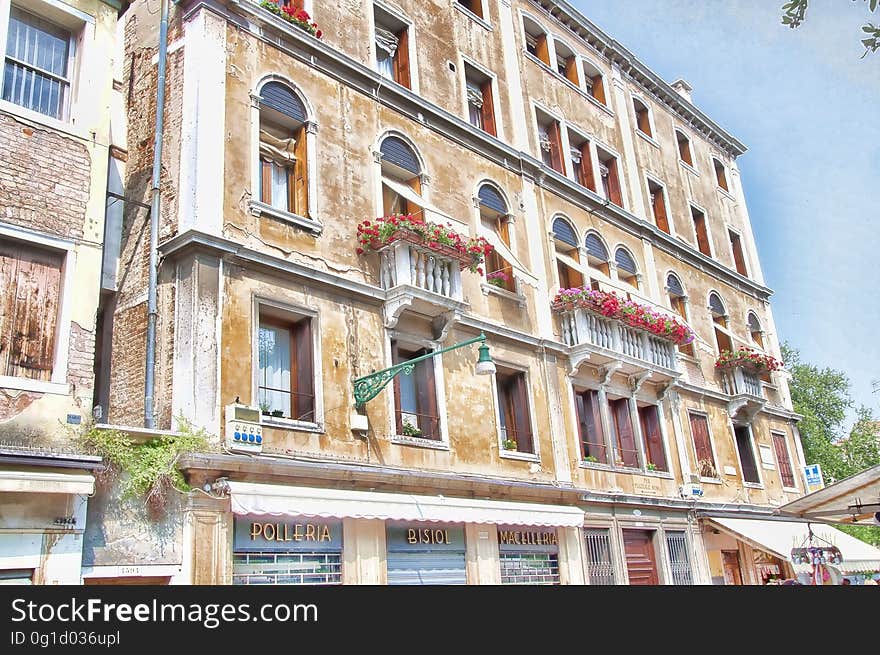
column 509, row 444
column 591, row 458
column 264, row 408
column 410, row 430
column 498, row 279
column 651, row 466
column 278, row 413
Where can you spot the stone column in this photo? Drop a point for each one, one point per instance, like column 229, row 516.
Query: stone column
column 363, row 552
column 571, row 556
column 207, row 541
column 481, row 541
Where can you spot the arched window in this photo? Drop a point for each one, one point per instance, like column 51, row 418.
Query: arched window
column 720, row 173
column 283, row 156
column 626, row 267
column 597, row 256
column 678, row 303
column 495, row 217
column 684, row 148
column 755, row 330
column 643, row 117
column 401, row 177
column 567, row 254
column 536, row 39
column 594, row 81
column 566, row 62
column 720, row 319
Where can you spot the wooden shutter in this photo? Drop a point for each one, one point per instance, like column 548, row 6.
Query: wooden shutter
column 702, row 235
column 411, row 207
column 31, row 286
column 426, row 397
column 541, row 49
column 401, row 60
column 782, row 459
column 643, row 121
column 587, row 167
column 684, row 150
column 613, row 182
column 302, row 378
column 650, row 423
column 590, row 424
column 266, row 177
column 300, row 187
column 297, row 4
column 556, row 147
column 700, row 432
column 571, row 70
column 396, row 358
column 599, row 89
column 736, row 246
column 660, row 210
column 522, row 421
column 722, row 339
column 626, row 441
column 488, row 108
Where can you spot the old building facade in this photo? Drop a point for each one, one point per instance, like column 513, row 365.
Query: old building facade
column 595, row 453
column 56, row 147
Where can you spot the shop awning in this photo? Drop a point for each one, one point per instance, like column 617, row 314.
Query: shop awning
column 855, row 499
column 44, row 482
column 280, row 500
column 779, row 537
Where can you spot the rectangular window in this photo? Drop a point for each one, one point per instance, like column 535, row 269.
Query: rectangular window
column 473, row 6
column 679, row 561
column 703, row 446
column 746, row 454
column 649, row 421
column 684, row 148
column 700, row 231
column 624, row 436
column 513, row 410
column 738, row 259
column 30, row 290
column 529, row 568
column 36, row 72
column 590, row 425
column 720, row 174
column 569, row 278
column 658, row 205
column 481, row 107
column 550, row 143
column 610, row 177
column 582, row 161
column 415, row 396
column 392, row 48
column 600, row 566
column 284, row 166
column 785, row 470
column 271, row 568
column 287, row 383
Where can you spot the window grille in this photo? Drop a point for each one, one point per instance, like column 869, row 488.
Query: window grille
column 530, row 568
column 287, row 568
column 600, row 568
column 679, row 562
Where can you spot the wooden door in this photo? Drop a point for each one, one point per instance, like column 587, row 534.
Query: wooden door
column 732, row 571
column 640, row 564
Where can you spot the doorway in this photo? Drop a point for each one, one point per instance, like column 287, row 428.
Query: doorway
column 640, row 561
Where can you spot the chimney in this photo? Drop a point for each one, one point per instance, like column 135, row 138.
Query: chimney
column 683, row 89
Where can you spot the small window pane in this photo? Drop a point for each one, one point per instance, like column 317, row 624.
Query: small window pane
column 274, row 350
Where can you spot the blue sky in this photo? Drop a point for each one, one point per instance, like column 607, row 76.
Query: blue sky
column 808, row 108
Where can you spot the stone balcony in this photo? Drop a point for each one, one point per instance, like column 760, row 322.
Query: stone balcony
column 746, row 391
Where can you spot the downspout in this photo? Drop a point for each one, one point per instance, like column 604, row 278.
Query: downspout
column 152, row 310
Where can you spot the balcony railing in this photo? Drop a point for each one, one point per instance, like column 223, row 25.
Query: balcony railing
column 738, row 381
column 404, row 263
column 580, row 326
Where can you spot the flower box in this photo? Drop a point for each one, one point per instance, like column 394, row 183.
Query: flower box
column 748, row 359
column 298, row 17
column 442, row 239
column 629, row 312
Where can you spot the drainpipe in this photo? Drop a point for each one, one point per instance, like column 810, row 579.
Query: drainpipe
column 152, row 310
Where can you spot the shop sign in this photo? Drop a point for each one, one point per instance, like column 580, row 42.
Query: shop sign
column 527, row 538
column 424, row 536
column 258, row 534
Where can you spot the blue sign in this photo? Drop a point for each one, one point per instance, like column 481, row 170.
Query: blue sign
column 814, row 474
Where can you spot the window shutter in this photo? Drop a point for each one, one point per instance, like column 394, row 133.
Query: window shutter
column 738, row 258
column 702, row 235
column 700, row 432
column 571, row 70
column 746, row 456
column 266, row 177
column 590, row 424
column 716, row 305
column 626, row 440
column 522, row 420
column 411, row 207
column 625, row 261
column 488, row 108
column 782, row 459
column 556, row 147
column 587, row 167
column 300, row 186
column 304, row 378
column 650, row 424
column 401, row 60
column 426, row 396
column 613, row 182
column 541, row 49
column 660, row 210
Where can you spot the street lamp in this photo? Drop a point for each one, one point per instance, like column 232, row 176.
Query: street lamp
column 368, row 387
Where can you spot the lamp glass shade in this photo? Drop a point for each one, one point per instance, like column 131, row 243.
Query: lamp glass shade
column 485, row 365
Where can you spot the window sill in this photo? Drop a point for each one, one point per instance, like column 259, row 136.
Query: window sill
column 658, row 474
column 431, row 444
column 791, row 490
column 768, row 467
column 467, row 12
column 291, row 424
column 688, row 167
column 726, row 194
column 504, row 293
column 32, row 116
column 599, row 466
column 571, row 85
column 710, row 480
column 515, row 454
column 648, row 138
column 258, row 208
column 36, row 386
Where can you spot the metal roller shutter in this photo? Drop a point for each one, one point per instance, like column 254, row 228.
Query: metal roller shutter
column 427, row 568
column 490, row 198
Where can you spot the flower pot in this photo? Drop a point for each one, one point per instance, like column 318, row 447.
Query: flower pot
column 278, row 413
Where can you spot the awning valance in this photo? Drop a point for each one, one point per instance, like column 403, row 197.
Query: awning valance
column 280, row 500
column 779, row 537
column 44, row 482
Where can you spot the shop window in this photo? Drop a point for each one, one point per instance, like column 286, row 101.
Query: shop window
column 626, row 267
column 743, row 438
column 700, row 231
column 703, row 446
column 623, row 435
column 528, row 556
column 392, row 48
column 550, row 142
column 513, row 410
column 481, row 107
column 684, row 148
column 536, row 40
column 590, row 426
column 610, row 177
column 566, row 62
column 415, row 396
column 786, row 473
column 286, row 366
column 600, row 563
column 30, row 298
column 38, row 65
column 581, row 160
column 652, row 437
column 643, row 117
column 723, row 340
column 736, row 248
column 284, row 171
column 720, row 174
column 678, row 304
column 755, row 330
column 594, row 81
column 425, row 554
column 658, row 205
column 679, row 558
